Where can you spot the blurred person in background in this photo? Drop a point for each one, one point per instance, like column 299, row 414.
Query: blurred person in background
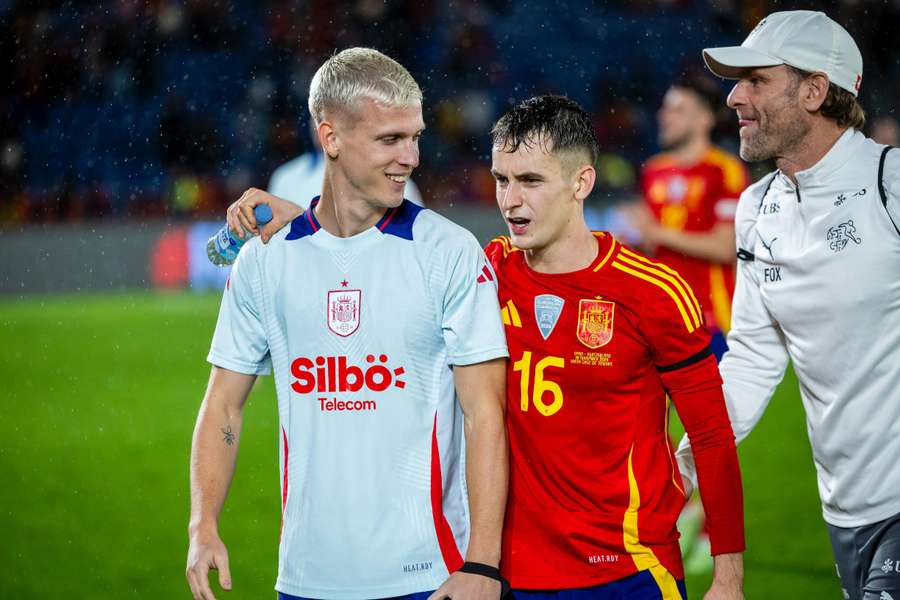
column 818, row 245
column 885, row 130
column 690, row 194
column 300, row 179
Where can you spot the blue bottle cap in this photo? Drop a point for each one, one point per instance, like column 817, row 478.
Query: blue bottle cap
column 263, row 214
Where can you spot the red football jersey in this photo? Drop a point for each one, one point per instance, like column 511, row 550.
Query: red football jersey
column 695, row 199
column 594, row 488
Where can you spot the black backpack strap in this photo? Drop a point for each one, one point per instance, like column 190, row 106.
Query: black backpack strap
column 881, row 189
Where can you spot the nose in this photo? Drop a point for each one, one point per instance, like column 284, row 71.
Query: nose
column 510, row 196
column 738, row 95
column 409, row 155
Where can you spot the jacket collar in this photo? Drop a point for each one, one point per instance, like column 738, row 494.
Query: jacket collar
column 823, row 171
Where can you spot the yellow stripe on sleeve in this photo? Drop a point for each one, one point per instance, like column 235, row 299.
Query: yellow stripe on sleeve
column 688, row 322
column 684, row 298
column 733, row 174
column 612, row 247
column 689, row 297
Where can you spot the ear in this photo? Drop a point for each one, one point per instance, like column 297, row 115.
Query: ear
column 585, row 177
column 328, row 139
column 813, row 91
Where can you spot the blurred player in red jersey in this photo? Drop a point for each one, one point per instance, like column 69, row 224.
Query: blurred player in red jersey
column 598, row 334
column 690, row 196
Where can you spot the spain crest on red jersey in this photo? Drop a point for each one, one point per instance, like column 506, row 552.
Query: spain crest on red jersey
column 343, row 311
column 595, row 322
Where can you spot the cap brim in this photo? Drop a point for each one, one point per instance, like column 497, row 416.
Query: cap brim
column 730, row 62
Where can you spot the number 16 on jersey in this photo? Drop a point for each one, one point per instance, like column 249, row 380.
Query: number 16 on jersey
column 542, row 385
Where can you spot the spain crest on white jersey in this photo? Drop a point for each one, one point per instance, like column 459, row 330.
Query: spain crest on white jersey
column 343, row 311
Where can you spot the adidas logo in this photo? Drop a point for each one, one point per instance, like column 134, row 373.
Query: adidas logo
column 485, row 275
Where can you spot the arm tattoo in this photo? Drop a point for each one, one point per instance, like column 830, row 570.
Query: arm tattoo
column 229, row 436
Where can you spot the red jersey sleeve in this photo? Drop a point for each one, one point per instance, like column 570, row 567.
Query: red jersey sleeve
column 680, row 348
column 735, row 180
column 496, row 250
column 672, row 319
column 648, row 177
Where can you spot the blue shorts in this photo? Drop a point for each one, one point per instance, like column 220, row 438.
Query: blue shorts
column 640, row 586
column 718, row 345
column 416, row 596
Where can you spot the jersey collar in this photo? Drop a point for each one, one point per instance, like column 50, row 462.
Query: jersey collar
column 395, row 221
column 828, row 166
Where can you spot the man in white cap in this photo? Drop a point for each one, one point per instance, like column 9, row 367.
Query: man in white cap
column 818, row 280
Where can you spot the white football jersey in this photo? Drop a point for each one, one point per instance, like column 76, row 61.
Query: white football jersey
column 361, row 333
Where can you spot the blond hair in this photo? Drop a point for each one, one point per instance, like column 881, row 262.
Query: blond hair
column 360, row 73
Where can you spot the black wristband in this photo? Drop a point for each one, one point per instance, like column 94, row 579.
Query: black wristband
column 488, row 571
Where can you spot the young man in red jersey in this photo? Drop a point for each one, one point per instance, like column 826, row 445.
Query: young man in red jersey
column 598, row 335
column 690, row 194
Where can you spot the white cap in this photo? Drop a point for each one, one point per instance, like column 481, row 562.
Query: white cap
column 804, row 39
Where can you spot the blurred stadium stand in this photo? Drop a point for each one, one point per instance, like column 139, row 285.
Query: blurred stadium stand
column 168, row 109
column 131, row 254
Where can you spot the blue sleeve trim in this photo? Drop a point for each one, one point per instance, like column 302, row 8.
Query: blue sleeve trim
column 304, row 225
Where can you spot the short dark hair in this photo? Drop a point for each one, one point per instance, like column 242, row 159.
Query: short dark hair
column 704, row 88
column 840, row 106
column 556, row 121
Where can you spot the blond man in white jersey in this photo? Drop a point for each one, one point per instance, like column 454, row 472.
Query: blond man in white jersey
column 380, row 323
column 818, row 280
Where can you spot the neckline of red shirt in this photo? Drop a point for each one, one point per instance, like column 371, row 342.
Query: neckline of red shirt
column 606, row 245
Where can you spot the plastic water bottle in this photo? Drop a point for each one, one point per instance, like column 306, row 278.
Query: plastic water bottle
column 222, row 248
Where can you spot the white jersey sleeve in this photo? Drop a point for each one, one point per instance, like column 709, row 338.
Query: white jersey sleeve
column 472, row 329
column 757, row 355
column 239, row 342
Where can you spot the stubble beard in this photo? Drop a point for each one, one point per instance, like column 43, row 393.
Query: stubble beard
column 780, row 131
column 756, row 148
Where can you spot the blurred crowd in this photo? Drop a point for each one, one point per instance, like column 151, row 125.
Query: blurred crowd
column 170, row 108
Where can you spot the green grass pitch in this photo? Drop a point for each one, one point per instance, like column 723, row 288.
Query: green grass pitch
column 99, row 396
